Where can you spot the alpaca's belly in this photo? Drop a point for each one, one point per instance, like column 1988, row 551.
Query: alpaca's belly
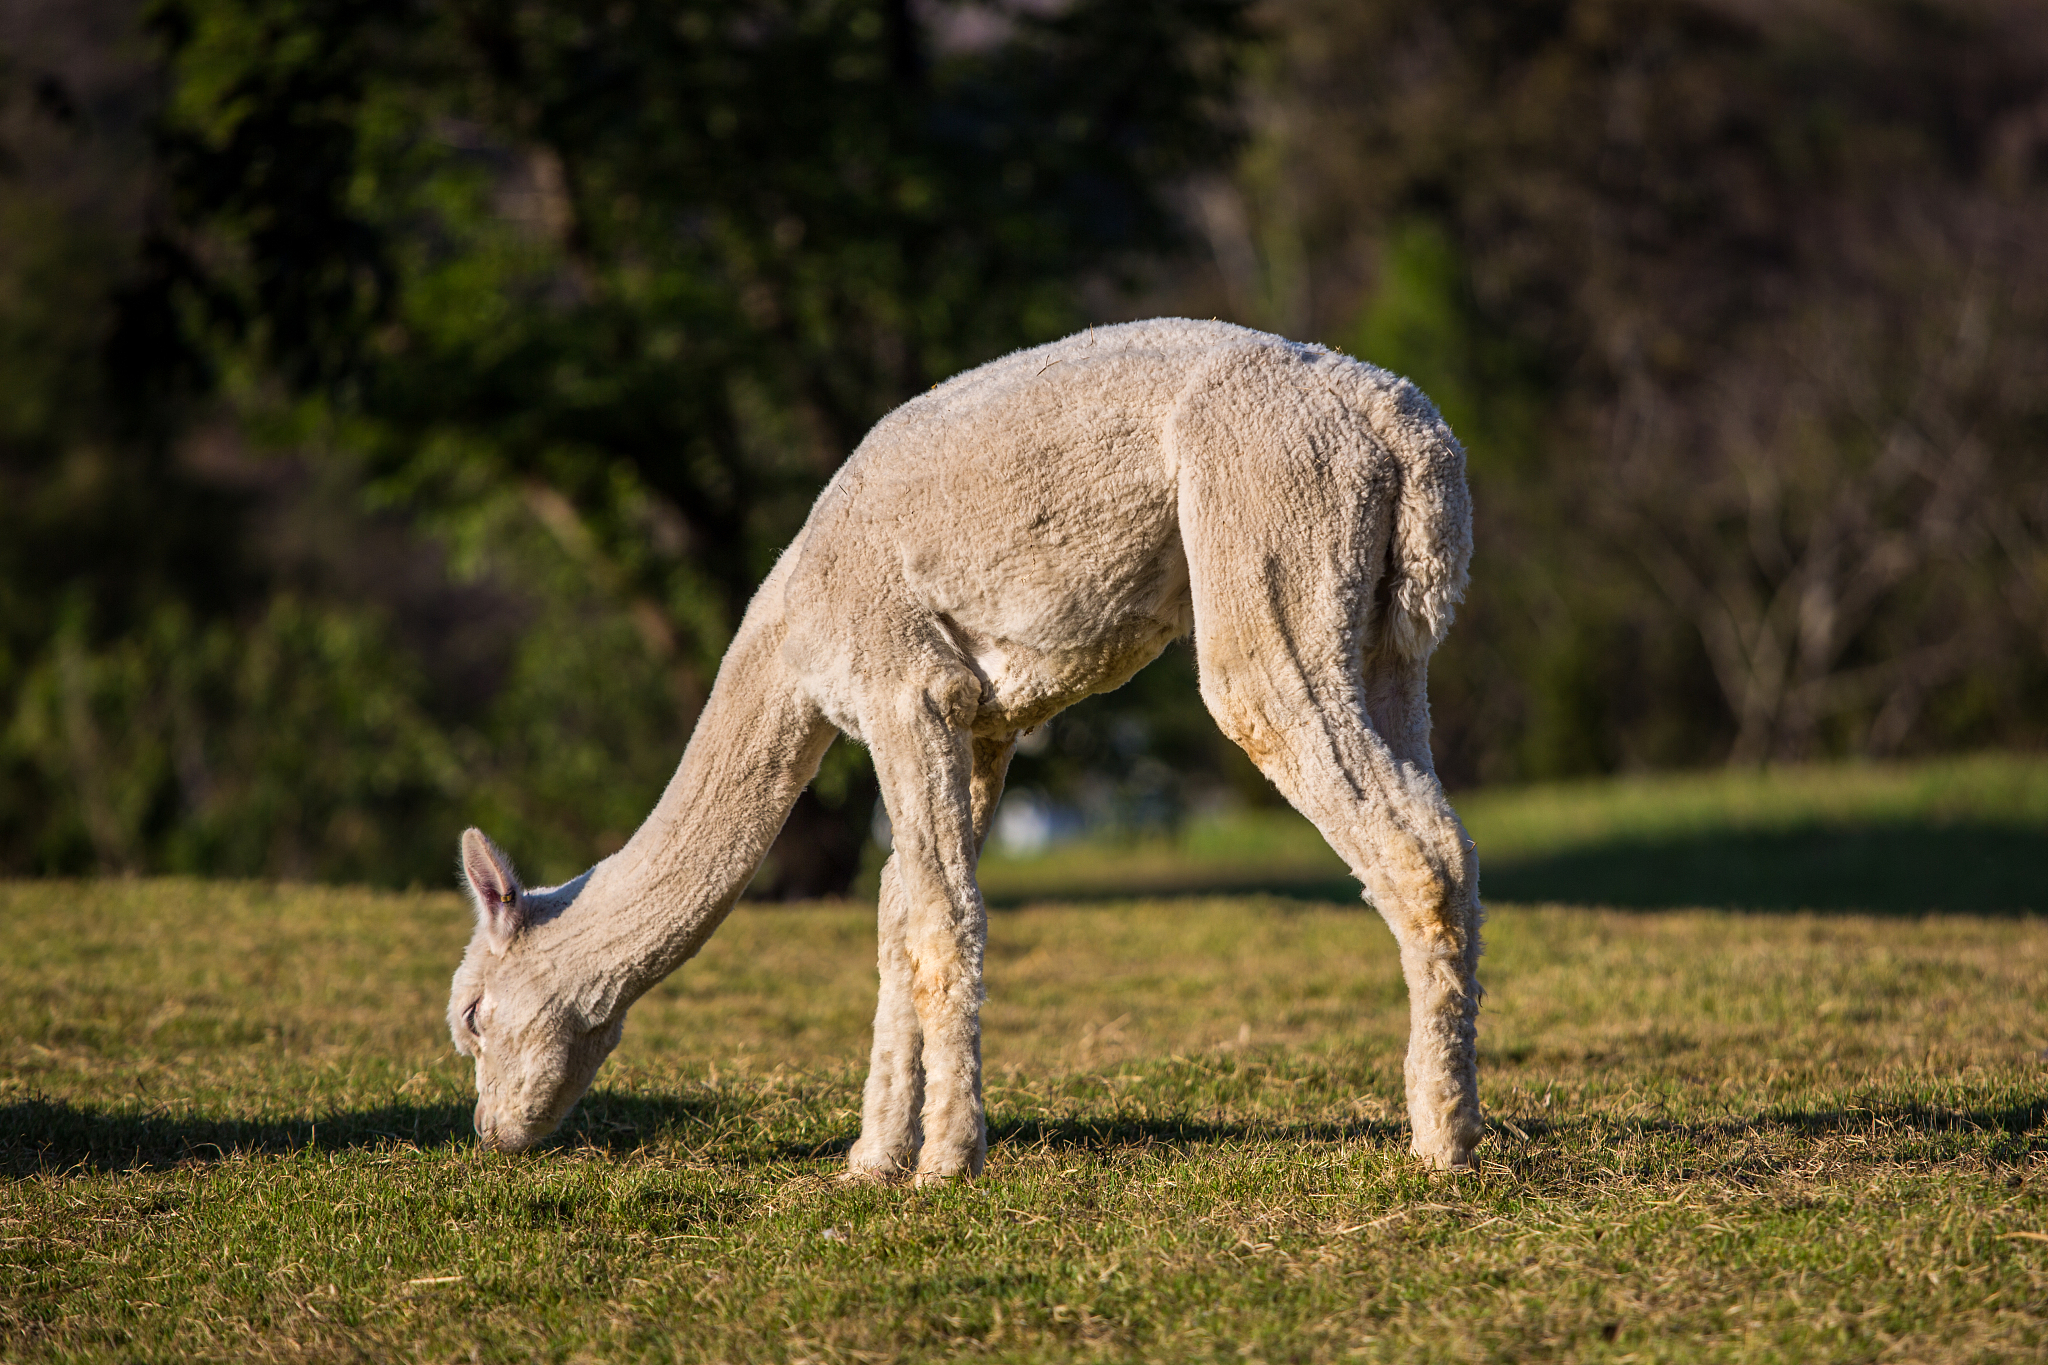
column 1047, row 626
column 1033, row 651
column 1022, row 687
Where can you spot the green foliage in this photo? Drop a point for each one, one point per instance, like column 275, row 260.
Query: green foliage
column 512, row 341
column 677, row 259
column 276, row 741
column 594, row 301
column 581, row 734
column 1423, row 321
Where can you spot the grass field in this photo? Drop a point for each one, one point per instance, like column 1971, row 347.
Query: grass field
column 231, row 1126
column 1967, row 834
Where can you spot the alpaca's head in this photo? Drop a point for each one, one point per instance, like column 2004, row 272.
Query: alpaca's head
column 511, row 1010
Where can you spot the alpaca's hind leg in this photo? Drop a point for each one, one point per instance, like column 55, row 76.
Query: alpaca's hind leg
column 1284, row 591
column 1389, row 820
column 1439, row 956
column 890, row 1134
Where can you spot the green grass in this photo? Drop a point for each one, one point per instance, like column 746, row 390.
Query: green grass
column 231, row 1127
column 1967, row 834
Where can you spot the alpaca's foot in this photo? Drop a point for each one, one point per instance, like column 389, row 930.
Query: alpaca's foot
column 855, row 1175
column 1456, row 1160
column 935, row 1174
column 878, row 1163
column 939, row 1167
column 1448, row 1146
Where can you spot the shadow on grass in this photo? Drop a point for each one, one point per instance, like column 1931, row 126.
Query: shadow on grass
column 49, row 1136
column 45, row 1135
column 2019, row 1119
column 1117, row 1133
column 2011, row 1120
column 1898, row 869
column 38, row 1135
column 1887, row 869
column 56, row 1135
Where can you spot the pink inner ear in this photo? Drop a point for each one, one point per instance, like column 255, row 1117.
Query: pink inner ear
column 496, row 888
column 484, row 875
column 491, row 879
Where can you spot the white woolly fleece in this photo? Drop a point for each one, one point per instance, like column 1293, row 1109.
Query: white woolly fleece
column 1025, row 535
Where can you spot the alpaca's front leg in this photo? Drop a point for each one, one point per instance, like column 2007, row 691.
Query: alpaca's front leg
column 890, row 1134
column 946, row 931
column 947, row 992
column 925, row 756
column 947, row 989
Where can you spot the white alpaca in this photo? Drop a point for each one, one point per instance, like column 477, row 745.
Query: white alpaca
column 1023, row 536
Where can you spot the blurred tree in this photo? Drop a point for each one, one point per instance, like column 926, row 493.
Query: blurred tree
column 399, row 399
column 1741, row 310
column 602, row 296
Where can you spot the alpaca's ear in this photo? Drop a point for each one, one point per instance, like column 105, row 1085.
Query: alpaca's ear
column 494, row 886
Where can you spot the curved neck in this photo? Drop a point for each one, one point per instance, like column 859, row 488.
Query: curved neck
column 650, row 907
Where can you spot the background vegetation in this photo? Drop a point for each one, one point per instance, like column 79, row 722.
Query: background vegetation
column 400, row 398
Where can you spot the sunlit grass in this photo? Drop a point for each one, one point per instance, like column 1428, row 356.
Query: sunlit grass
column 1960, row 834
column 234, row 1129
column 1982, row 788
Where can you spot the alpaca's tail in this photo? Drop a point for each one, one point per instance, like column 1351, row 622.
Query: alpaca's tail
column 1432, row 546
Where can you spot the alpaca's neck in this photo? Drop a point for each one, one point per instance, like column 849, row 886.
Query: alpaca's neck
column 649, row 907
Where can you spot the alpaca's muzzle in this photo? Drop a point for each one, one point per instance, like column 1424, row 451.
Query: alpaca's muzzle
column 494, row 1137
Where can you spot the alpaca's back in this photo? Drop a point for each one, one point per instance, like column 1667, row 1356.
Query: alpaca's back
column 1034, row 504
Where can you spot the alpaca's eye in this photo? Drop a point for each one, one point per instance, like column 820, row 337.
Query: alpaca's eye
column 469, row 1018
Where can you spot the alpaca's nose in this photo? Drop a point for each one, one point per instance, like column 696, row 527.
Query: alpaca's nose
column 495, row 1135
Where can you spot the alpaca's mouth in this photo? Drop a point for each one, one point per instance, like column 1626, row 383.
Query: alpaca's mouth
column 497, row 1137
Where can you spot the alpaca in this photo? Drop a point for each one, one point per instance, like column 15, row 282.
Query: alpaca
column 1022, row 536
